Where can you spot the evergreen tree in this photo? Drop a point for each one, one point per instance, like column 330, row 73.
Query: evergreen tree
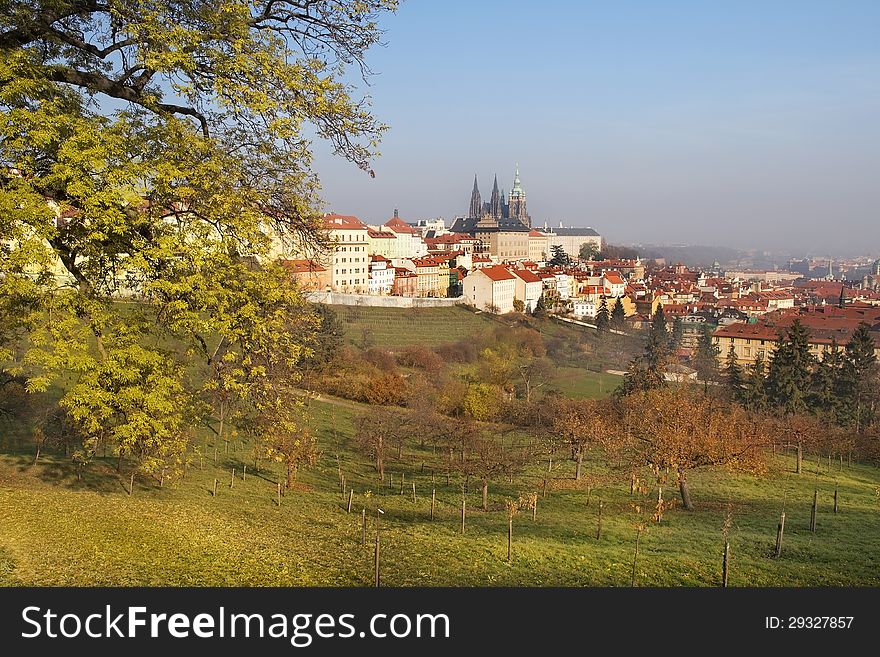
column 755, row 387
column 705, row 359
column 825, row 398
column 618, row 316
column 659, row 333
column 789, row 376
column 559, row 258
column 640, row 377
column 733, row 376
column 677, row 334
column 540, row 307
column 646, row 372
column 602, row 318
column 859, row 376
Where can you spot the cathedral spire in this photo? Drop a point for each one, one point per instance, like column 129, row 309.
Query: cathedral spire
column 476, row 209
column 495, row 202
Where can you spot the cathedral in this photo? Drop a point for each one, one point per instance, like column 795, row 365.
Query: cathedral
column 510, row 214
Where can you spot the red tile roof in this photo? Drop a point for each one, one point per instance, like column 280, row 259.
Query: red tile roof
column 398, row 225
column 497, row 273
column 343, row 222
column 526, row 276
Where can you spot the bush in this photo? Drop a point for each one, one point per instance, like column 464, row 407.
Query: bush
column 462, row 351
column 420, row 357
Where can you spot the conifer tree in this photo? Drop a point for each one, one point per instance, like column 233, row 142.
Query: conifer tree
column 677, row 334
column 859, row 376
column 733, row 376
column 755, row 386
column 789, row 375
column 618, row 316
column 602, row 318
column 705, row 359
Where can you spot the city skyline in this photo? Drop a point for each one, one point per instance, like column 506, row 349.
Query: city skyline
column 749, row 126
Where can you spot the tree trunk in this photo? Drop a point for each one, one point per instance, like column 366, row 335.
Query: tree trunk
column 580, row 461
column 485, row 494
column 685, row 491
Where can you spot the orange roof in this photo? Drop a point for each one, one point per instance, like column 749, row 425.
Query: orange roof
column 398, row 225
column 302, row 266
column 497, row 273
column 381, row 234
column 343, row 222
column 527, row 276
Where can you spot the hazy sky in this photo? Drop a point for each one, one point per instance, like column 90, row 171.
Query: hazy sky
column 743, row 123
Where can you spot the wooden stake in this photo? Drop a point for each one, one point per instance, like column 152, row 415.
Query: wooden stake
column 279, row 493
column 350, row 496
column 509, row 538
column 364, row 526
column 433, row 501
column 414, row 491
column 635, row 557
column 780, row 530
column 535, row 509
column 835, row 499
column 232, row 480
column 244, row 473
column 377, row 559
column 599, row 522
column 813, row 510
column 462, row 514
column 215, row 486
column 725, row 568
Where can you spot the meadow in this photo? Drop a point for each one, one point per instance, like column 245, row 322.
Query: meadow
column 57, row 530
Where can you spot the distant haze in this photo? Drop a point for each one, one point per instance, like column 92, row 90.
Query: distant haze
column 745, row 124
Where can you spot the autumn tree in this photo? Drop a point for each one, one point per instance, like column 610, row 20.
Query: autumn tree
column 583, row 424
column 161, row 153
column 491, row 455
column 681, row 430
column 280, row 425
column 377, row 430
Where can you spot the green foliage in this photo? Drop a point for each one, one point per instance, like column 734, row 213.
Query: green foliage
column 588, row 251
column 677, row 334
column 159, row 154
column 733, row 376
column 705, row 358
column 618, row 316
column 559, row 257
column 482, row 401
column 788, row 379
column 603, row 319
column 518, row 305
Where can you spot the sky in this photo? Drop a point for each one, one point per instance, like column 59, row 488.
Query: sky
column 749, row 124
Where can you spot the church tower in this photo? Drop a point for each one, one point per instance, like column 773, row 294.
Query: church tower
column 476, row 209
column 495, row 202
column 517, row 202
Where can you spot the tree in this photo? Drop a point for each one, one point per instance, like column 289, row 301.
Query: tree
column 859, row 375
column 376, row 431
column 518, row 305
column 582, row 424
column 733, row 376
column 788, row 379
column 280, row 425
column 681, row 430
column 618, row 316
column 677, row 334
column 826, row 397
column 755, row 387
column 705, row 358
column 588, row 251
column 160, row 153
column 602, row 318
column 558, row 256
column 540, row 307
column 535, row 373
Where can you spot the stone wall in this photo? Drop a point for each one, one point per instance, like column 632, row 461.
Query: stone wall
column 337, row 298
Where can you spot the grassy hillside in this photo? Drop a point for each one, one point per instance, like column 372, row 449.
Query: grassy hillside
column 400, row 327
column 55, row 530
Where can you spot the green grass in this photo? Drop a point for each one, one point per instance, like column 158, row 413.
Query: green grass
column 579, row 383
column 55, row 530
column 401, row 327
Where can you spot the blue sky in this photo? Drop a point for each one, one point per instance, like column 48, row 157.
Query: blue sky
column 743, row 123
